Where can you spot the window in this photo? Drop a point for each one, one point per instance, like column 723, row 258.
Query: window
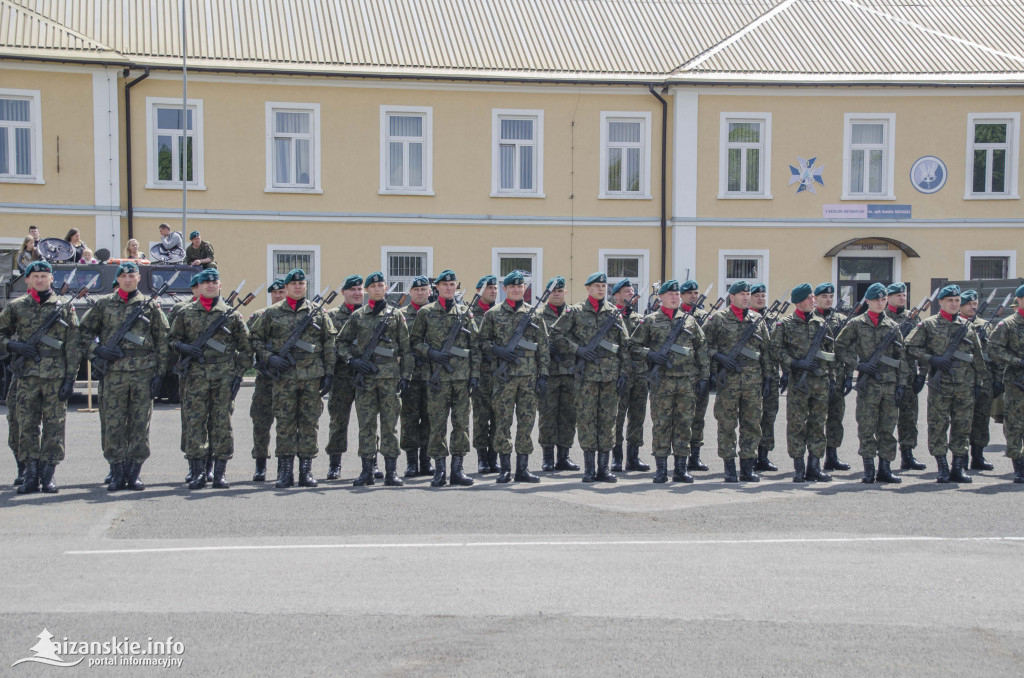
column 625, row 155
column 868, row 156
column 735, row 265
column 283, row 258
column 745, row 162
column 529, row 260
column 632, row 264
column 406, row 150
column 174, row 154
column 293, row 147
column 992, row 155
column 990, row 264
column 21, row 157
column 402, row 265
column 517, row 166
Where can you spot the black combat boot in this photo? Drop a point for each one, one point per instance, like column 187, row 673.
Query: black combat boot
column 589, row 472
column 46, row 478
column 1018, row 470
column 869, row 470
column 117, row 476
column 617, row 458
column 747, row 474
column 366, row 476
column 377, row 473
column 220, row 467
column 334, row 467
column 261, row 470
column 188, row 477
column 661, row 470
column 523, row 474
column 603, row 475
column 505, row 474
column 391, row 478
column 31, row 484
column 885, row 474
column 798, row 469
column 286, row 476
column 209, row 467
column 548, row 464
column 563, row 462
column 459, row 476
column 679, row 474
column 730, row 470
column 633, row 462
column 199, row 475
column 492, row 461
column 412, row 466
column 907, row 461
column 425, row 467
column 694, row 463
column 978, row 462
column 943, row 468
column 832, row 462
column 131, row 476
column 440, row 478
column 20, row 479
column 959, row 472
column 763, row 463
column 306, row 478
column 483, row 462
column 814, row 471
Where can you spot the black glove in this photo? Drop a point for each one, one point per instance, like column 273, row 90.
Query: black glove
column 360, row 365
column 66, row 387
column 588, row 354
column 658, row 358
column 185, row 348
column 325, row 384
column 23, row 349
column 278, row 363
column 997, row 389
column 402, row 385
column 802, row 364
column 236, row 384
column 727, row 362
column 784, row 382
column 766, row 388
column 542, row 385
column 701, row 389
column 900, row 390
column 438, row 356
column 472, row 385
column 847, row 386
column 713, row 381
column 940, row 362
column 155, row 384
column 976, row 390
column 506, row 354
column 105, row 353
column 868, row 368
column 919, row 382
column 621, row 383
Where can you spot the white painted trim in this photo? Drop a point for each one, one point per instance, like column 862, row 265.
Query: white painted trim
column 538, row 275
column 684, row 252
column 428, row 150
column 107, row 154
column 1013, row 153
column 315, row 249
column 895, row 255
column 685, row 155
column 765, row 120
column 645, row 155
column 198, row 175
column 428, row 250
column 316, row 141
column 765, row 267
column 1011, row 264
column 36, row 115
column 537, row 115
column 643, row 282
column 889, row 161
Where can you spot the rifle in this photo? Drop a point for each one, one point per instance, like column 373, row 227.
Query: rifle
column 893, row 336
column 598, row 341
column 767, row 312
column 670, row 346
column 773, row 316
column 717, row 305
column 448, row 347
column 652, row 301
column 372, row 347
column 740, row 347
column 294, row 340
column 813, row 354
column 516, row 341
column 40, row 335
column 849, row 316
column 206, row 338
column 952, row 351
column 124, row 331
column 984, row 305
column 1006, row 302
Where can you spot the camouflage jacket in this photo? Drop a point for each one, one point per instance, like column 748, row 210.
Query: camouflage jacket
column 355, row 335
column 205, row 250
column 429, row 331
column 900, row 318
column 689, row 355
column 631, row 318
column 792, row 338
column 487, row 361
column 339, row 316
column 60, row 350
column 273, row 327
column 421, row 368
column 984, row 330
column 835, row 321
column 560, row 363
column 858, row 341
column 104, row 319
column 773, row 364
column 1006, row 348
column 193, row 319
column 932, row 336
column 497, row 328
column 577, row 327
column 723, row 330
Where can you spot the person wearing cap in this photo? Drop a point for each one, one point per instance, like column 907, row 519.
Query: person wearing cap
column 825, row 298
column 879, row 386
column 44, row 386
column 770, row 403
column 134, row 376
column 261, row 409
column 1006, row 348
column 200, row 252
column 809, row 382
column 213, row 378
column 689, row 291
column 955, row 380
column 301, row 379
column 602, row 372
column 634, row 401
column 458, row 376
column 415, row 421
column 993, row 386
column 682, row 376
column 515, row 395
column 384, row 377
column 557, row 409
column 483, row 411
column 906, row 423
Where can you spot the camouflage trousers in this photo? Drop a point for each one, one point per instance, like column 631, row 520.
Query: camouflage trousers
column 453, row 399
column 738, row 401
column 834, row 419
column 906, row 426
column 415, row 418
column 1013, row 420
column 769, row 413
column 297, row 409
column 980, row 434
column 12, row 422
column 126, row 408
column 339, row 407
column 207, row 410
column 805, row 417
column 700, row 413
column 876, row 419
column 515, row 398
column 483, row 414
column 596, row 404
column 672, row 404
column 634, row 404
column 378, row 400
column 557, row 411
column 40, row 415
column 261, row 412
column 950, row 409
column 181, row 414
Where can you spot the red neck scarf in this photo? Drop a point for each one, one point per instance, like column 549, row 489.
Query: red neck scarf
column 556, row 309
column 351, row 307
column 893, row 310
column 121, row 293
column 1020, row 311
column 950, row 318
column 207, row 303
column 483, row 305
column 594, row 303
column 687, row 308
column 670, row 312
column 874, row 317
column 414, row 306
column 294, row 303
column 738, row 312
column 800, row 314
column 35, row 295
column 513, row 304
column 445, row 303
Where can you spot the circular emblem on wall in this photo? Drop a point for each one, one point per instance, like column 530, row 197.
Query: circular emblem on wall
column 928, row 174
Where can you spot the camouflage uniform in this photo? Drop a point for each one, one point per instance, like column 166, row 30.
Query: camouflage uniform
column 634, row 401
column 13, row 433
column 204, row 251
column 806, row 405
column 483, row 411
column 906, row 426
column 700, row 408
column 171, row 314
column 837, row 375
column 261, row 409
column 415, row 417
column 1006, row 347
column 980, row 434
column 557, row 409
column 343, row 389
column 769, row 407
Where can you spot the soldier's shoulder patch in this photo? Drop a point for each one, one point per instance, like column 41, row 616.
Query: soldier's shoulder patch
column 778, row 322
column 470, row 313
column 640, row 321
column 1000, row 323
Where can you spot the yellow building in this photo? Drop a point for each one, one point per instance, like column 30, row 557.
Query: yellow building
column 719, row 141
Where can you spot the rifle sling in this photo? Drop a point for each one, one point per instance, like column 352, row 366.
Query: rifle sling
column 827, row 357
column 608, row 346
column 459, row 352
column 960, row 355
column 47, row 340
column 681, row 350
column 750, row 353
column 890, row 362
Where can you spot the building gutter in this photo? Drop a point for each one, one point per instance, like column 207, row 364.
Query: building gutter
column 128, row 143
column 664, row 178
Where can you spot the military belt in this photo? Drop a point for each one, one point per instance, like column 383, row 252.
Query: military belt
column 49, row 352
column 217, row 360
column 891, row 362
column 960, row 355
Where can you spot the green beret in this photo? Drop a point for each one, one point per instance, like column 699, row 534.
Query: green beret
column 514, row 278
column 800, row 292
column 557, row 283
column 487, row 280
column 375, row 277
column 276, row 286
column 42, row 267
column 739, row 286
column 949, row 291
column 620, row 285
column 351, row 282
column 207, row 275
column 596, row 278
column 194, row 281
column 1020, row 292
column 968, row 295
column 193, row 234
column 669, row 286
column 758, row 287
column 687, row 286
column 896, row 288
column 295, row 275
column 125, row 267
column 447, row 275
column 825, row 288
column 419, row 281
column 875, row 291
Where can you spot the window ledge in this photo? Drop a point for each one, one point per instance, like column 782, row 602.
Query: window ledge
column 513, row 194
column 631, row 196
column 867, row 196
column 994, row 196
column 741, row 196
column 279, row 189
column 402, row 191
column 175, row 187
column 21, row 180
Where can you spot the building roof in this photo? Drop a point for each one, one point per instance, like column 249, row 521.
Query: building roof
column 603, row 40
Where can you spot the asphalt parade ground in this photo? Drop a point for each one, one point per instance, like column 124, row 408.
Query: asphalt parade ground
column 559, row 578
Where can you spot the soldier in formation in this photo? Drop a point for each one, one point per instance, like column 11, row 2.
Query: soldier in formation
column 1006, row 346
column 261, row 410
column 825, row 297
column 906, row 422
column 632, row 403
column 415, row 402
column 770, row 403
column 483, row 412
column 557, row 428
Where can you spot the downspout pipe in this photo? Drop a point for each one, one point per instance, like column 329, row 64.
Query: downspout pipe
column 664, row 178
column 128, row 142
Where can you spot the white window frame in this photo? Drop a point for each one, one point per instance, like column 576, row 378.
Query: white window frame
column 1011, row 263
column 311, row 289
column 539, row 281
column 888, row 150
column 387, row 250
column 643, row 281
column 895, row 255
column 1012, row 155
column 36, row 123
column 198, row 182
column 427, row 113
column 765, row 120
column 724, row 255
column 538, row 156
column 645, row 155
column 314, row 152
